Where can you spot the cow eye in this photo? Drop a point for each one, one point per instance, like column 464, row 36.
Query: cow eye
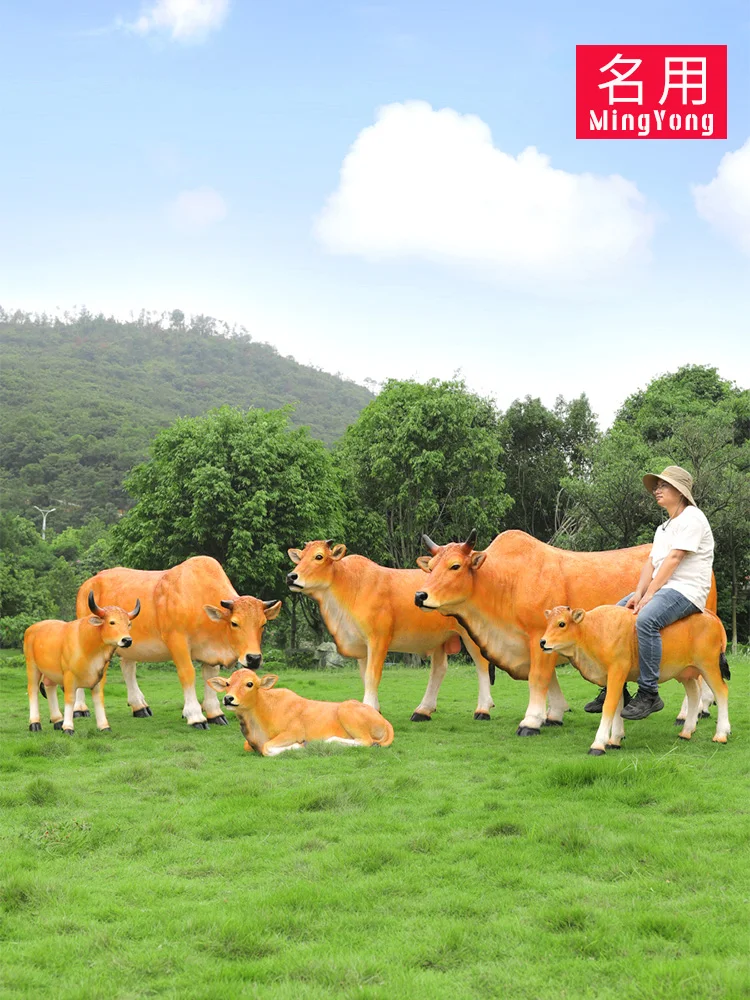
column 319, row 556
column 235, row 624
column 561, row 624
column 249, row 684
column 457, row 566
column 111, row 622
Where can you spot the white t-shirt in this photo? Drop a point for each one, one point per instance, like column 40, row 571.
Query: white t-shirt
column 690, row 531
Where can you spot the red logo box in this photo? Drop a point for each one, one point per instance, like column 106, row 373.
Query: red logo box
column 651, row 91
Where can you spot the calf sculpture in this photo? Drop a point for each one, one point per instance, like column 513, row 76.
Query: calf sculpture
column 602, row 645
column 75, row 654
column 275, row 721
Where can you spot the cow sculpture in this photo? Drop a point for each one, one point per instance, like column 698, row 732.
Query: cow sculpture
column 75, row 654
column 275, row 721
column 602, row 645
column 499, row 596
column 369, row 610
column 190, row 612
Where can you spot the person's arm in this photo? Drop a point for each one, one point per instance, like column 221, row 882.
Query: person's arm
column 667, row 568
column 645, row 578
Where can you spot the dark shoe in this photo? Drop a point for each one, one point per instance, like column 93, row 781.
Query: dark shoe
column 595, row 707
column 644, row 703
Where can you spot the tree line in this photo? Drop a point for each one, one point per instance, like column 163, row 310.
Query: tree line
column 243, row 485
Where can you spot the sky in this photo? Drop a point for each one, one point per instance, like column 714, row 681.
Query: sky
column 382, row 190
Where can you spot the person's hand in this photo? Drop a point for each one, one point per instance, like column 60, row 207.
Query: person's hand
column 633, row 601
column 642, row 603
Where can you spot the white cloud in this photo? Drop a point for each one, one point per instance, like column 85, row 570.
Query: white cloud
column 197, row 209
column 431, row 184
column 183, row 20
column 725, row 201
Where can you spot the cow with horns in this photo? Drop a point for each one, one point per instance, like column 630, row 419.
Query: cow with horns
column 190, row 612
column 500, row 595
column 75, row 654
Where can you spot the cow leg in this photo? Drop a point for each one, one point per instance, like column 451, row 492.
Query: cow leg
column 80, row 708
column 345, row 742
column 55, row 715
column 428, row 704
column 211, row 706
column 558, row 706
column 376, row 653
column 707, row 700
column 280, row 743
column 607, row 735
column 541, row 672
column 484, row 698
column 69, row 689
column 136, row 699
column 693, row 699
column 97, row 696
column 180, row 653
column 718, row 685
column 33, row 677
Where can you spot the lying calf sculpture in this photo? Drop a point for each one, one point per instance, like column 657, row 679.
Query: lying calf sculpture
column 602, row 645
column 275, row 721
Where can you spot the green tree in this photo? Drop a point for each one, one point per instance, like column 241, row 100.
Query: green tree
column 239, row 486
column 421, row 458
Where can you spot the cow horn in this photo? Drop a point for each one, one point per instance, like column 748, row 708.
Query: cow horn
column 136, row 610
column 93, row 606
column 270, row 604
column 429, row 544
column 227, row 604
column 329, row 541
column 469, row 543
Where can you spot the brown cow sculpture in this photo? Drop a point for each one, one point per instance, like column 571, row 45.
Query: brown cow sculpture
column 602, row 645
column 75, row 654
column 369, row 610
column 500, row 595
column 190, row 612
column 275, row 721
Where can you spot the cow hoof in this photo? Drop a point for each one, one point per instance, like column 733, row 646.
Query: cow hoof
column 704, row 715
column 684, row 736
column 219, row 720
column 680, row 722
column 613, row 746
column 69, row 732
column 58, row 724
column 142, row 713
column 85, row 714
column 552, row 722
column 420, row 717
column 35, row 727
column 199, row 725
column 482, row 716
column 596, row 753
column 107, row 729
column 526, row 731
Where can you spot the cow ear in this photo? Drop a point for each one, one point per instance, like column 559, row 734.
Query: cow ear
column 215, row 614
column 295, row 555
column 218, row 684
column 477, row 559
column 424, row 563
column 577, row 615
column 95, row 620
column 338, row 552
column 268, row 680
column 273, row 611
column 547, row 613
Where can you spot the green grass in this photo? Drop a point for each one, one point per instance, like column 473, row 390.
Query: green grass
column 460, row 862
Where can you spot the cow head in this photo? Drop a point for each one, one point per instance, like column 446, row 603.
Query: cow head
column 562, row 629
column 451, row 570
column 241, row 689
column 113, row 622
column 242, row 621
column 315, row 566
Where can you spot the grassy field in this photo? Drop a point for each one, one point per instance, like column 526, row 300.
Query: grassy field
column 460, row 862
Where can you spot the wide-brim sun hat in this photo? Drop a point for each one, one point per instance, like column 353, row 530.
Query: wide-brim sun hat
column 675, row 476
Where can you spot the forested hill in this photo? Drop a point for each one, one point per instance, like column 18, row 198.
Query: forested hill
column 82, row 398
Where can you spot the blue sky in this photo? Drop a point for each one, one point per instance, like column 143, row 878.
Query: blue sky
column 143, row 170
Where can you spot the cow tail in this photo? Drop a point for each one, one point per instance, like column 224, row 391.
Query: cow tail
column 42, row 689
column 491, row 670
column 724, row 667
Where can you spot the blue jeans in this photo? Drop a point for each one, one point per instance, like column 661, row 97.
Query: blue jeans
column 665, row 607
